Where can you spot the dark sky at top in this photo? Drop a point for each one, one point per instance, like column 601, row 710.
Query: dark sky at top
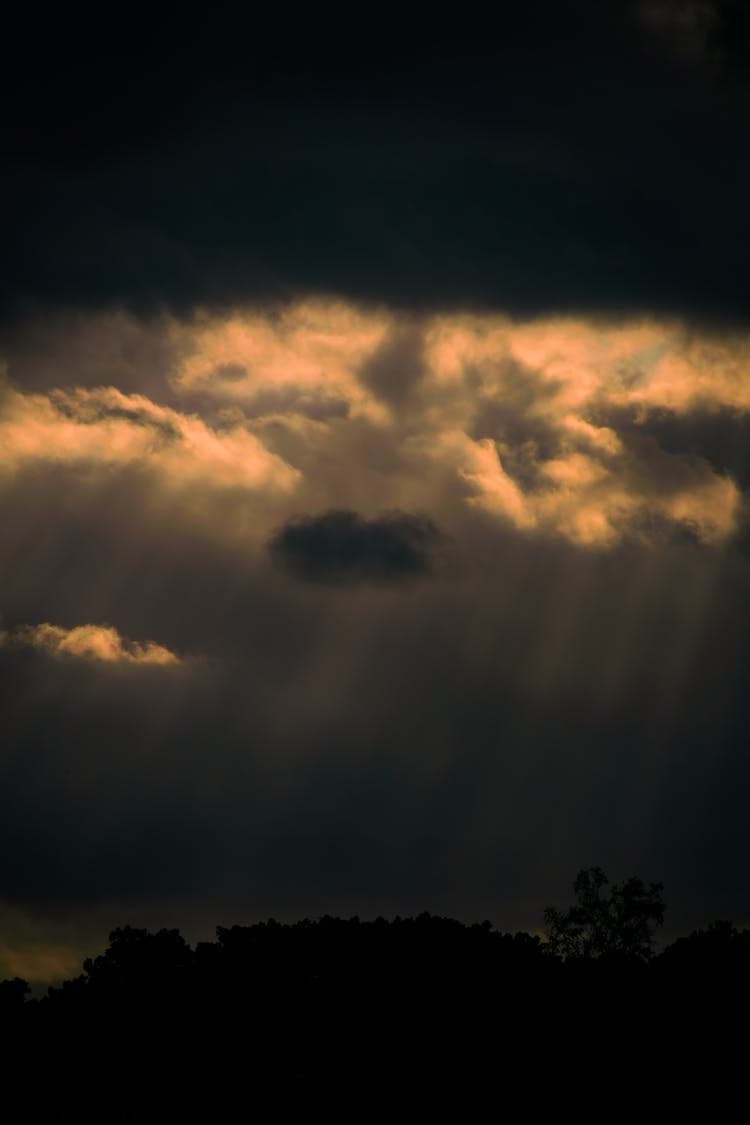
column 544, row 157
column 374, row 430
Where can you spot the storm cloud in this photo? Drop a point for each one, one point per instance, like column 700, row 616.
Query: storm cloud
column 583, row 157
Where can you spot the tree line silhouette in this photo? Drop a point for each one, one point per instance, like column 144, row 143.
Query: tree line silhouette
column 342, row 1013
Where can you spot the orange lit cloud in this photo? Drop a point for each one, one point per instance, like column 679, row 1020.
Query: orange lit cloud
column 282, row 361
column 92, row 642
column 321, row 404
column 564, row 375
column 649, row 364
column 106, row 427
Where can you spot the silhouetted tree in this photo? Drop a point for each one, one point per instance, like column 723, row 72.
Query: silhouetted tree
column 617, row 920
column 13, row 994
column 720, row 950
column 154, row 1031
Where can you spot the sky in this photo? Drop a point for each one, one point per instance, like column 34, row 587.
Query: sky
column 374, row 467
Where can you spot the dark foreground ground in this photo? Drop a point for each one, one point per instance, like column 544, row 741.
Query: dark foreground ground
column 415, row 1018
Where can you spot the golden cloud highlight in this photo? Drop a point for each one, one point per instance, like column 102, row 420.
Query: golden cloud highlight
column 106, row 427
column 285, row 361
column 101, row 643
column 560, row 377
column 541, row 424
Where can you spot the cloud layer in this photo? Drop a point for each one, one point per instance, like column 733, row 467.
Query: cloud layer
column 594, row 431
column 586, row 158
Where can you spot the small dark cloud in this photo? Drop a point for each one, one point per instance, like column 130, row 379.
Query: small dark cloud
column 342, row 546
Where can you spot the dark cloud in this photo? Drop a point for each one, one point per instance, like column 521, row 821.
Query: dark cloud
column 73, row 348
column 570, row 161
column 344, row 547
column 719, row 436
